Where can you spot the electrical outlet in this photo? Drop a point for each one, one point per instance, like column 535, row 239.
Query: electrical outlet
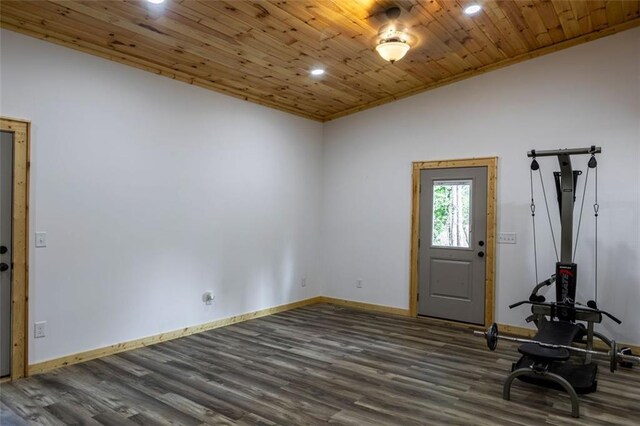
column 41, row 239
column 208, row 297
column 303, row 282
column 507, row 238
column 39, row 329
column 359, row 283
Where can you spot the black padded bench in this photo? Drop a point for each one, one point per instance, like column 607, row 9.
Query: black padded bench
column 554, row 333
column 581, row 378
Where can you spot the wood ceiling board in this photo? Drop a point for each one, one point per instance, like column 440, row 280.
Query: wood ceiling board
column 448, row 33
column 581, row 13
column 262, row 51
column 569, row 23
column 300, row 76
column 463, row 28
column 36, row 31
column 494, row 34
column 525, row 56
column 615, row 13
column 630, row 8
column 550, row 20
column 305, row 45
column 439, row 42
column 223, row 76
column 162, row 56
column 598, row 13
column 534, row 22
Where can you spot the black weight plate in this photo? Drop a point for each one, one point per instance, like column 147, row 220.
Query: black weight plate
column 492, row 337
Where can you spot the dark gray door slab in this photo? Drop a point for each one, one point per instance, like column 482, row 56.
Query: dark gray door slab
column 453, row 227
column 6, row 173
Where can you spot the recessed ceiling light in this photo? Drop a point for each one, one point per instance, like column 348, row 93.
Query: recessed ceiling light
column 317, row 71
column 155, row 1
column 472, row 9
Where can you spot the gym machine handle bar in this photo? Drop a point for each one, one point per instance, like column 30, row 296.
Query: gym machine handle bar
column 571, row 151
column 522, row 302
column 544, row 283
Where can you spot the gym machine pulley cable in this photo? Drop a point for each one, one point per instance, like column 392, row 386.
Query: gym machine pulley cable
column 535, row 166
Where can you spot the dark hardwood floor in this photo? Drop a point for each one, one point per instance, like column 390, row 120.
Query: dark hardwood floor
column 313, row 365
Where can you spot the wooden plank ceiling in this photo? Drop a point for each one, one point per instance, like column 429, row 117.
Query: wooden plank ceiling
column 262, row 51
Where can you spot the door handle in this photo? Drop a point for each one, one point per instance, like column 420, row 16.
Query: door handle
column 3, row 267
column 3, row 249
column 480, row 243
column 480, row 254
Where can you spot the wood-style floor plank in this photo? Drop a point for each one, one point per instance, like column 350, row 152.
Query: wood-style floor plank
column 314, row 365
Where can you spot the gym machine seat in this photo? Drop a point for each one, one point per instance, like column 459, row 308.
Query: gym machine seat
column 553, row 332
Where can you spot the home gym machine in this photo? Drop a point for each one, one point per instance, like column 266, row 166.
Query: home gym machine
column 560, row 355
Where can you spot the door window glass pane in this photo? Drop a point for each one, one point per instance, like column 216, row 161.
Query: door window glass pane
column 451, row 213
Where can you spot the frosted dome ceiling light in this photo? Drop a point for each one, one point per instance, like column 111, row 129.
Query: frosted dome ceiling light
column 317, row 71
column 393, row 49
column 155, row 1
column 393, row 41
column 472, row 9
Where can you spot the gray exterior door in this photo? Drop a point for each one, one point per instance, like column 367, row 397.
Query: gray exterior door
column 453, row 228
column 6, row 182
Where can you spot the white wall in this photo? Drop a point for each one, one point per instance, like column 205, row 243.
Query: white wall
column 151, row 192
column 589, row 94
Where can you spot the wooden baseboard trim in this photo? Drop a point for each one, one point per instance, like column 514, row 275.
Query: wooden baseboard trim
column 507, row 329
column 52, row 364
column 366, row 306
column 518, row 331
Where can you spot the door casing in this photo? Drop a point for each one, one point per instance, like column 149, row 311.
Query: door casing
column 491, row 163
column 21, row 130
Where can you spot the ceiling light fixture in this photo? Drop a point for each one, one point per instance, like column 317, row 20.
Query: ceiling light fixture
column 155, row 1
column 317, row 71
column 392, row 49
column 472, row 9
column 392, row 40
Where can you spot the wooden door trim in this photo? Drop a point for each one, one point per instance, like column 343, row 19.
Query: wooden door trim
column 20, row 244
column 491, row 163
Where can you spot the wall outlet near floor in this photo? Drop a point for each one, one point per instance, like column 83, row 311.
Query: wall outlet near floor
column 303, row 282
column 359, row 283
column 507, row 238
column 208, row 297
column 39, row 329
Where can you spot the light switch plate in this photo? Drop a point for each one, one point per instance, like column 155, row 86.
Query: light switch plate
column 41, row 239
column 39, row 329
column 507, row 238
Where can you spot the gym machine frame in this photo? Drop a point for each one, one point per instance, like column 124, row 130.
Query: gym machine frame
column 546, row 361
